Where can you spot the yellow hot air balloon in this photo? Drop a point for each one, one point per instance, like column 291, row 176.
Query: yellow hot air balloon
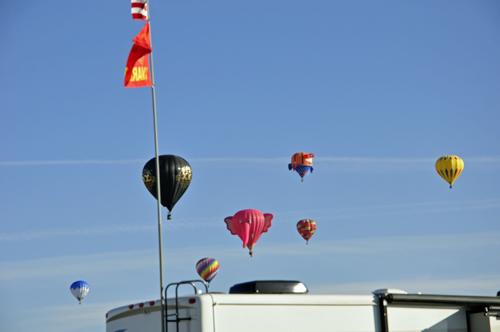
column 450, row 168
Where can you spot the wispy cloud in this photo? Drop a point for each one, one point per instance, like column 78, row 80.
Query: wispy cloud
column 105, row 230
column 484, row 159
column 373, row 160
column 60, row 267
column 47, row 233
column 404, row 244
column 395, row 209
column 100, row 264
column 417, row 209
column 344, row 213
column 480, row 285
column 277, row 160
column 68, row 162
column 406, row 250
column 88, row 317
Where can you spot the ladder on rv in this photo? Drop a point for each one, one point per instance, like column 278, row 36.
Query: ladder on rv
column 176, row 319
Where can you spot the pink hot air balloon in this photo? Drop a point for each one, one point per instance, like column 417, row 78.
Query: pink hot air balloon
column 249, row 225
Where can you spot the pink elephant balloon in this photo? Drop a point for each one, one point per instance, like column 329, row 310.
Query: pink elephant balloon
column 249, row 225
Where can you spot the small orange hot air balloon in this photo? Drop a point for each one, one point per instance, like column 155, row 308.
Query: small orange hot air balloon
column 301, row 163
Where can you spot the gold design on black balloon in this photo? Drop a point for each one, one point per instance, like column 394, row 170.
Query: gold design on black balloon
column 148, row 179
column 184, row 176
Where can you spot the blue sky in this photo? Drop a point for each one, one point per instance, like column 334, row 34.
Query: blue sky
column 377, row 90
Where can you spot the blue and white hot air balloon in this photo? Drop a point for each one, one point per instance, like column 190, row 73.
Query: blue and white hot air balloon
column 79, row 289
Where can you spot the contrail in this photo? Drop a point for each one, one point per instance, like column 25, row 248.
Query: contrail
column 105, row 230
column 68, row 162
column 277, row 160
column 215, row 222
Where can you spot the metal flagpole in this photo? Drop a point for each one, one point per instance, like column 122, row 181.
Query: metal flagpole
column 158, row 189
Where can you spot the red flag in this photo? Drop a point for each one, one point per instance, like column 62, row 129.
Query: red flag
column 139, row 10
column 137, row 71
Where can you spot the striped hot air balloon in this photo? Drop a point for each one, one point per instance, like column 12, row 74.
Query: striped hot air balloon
column 449, row 168
column 207, row 268
column 306, row 228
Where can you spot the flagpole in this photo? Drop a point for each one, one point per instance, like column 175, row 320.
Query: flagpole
column 158, row 188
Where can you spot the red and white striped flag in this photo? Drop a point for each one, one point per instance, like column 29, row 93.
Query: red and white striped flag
column 139, row 10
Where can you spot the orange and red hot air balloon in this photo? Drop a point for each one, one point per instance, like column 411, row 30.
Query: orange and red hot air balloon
column 302, row 163
column 306, row 228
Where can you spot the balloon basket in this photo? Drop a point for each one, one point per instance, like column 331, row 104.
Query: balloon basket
column 169, row 217
column 251, row 253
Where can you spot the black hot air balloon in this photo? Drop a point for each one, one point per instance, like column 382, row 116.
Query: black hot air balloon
column 175, row 177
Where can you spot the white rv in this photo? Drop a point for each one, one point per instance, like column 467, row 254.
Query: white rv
column 285, row 306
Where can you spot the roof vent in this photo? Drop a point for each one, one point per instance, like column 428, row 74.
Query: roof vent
column 269, row 287
column 385, row 291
